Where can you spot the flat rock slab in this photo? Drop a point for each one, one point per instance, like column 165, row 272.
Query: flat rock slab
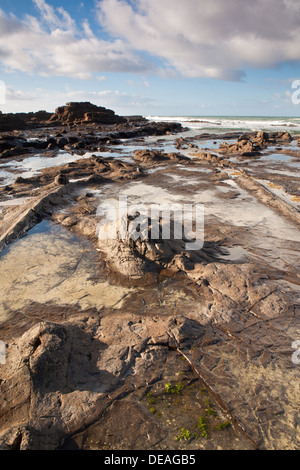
column 195, row 353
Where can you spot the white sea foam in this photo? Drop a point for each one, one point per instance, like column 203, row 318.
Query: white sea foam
column 218, row 124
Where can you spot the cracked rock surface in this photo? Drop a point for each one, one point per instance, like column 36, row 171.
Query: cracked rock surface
column 143, row 344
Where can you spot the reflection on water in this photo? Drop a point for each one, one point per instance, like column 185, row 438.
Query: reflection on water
column 53, row 266
column 31, row 166
column 276, row 158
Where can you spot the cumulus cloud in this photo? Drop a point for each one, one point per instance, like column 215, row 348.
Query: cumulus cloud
column 215, row 38
column 18, row 95
column 51, row 44
column 194, row 38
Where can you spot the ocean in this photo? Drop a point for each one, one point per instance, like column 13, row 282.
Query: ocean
column 222, row 124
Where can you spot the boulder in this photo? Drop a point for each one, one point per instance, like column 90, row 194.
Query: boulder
column 283, row 136
column 261, row 138
column 243, row 146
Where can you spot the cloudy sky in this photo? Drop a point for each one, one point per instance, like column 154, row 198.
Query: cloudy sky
column 151, row 57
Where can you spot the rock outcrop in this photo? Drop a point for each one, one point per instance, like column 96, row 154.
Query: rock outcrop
column 283, row 136
column 157, row 157
column 20, row 121
column 252, row 144
column 151, row 244
column 243, row 146
column 106, row 377
column 85, row 113
column 60, row 378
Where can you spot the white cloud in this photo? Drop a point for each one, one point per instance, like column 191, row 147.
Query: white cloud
column 121, row 102
column 63, row 20
column 215, row 38
column 195, row 38
column 52, row 45
column 18, row 95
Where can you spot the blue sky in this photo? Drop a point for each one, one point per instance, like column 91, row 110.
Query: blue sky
column 152, row 57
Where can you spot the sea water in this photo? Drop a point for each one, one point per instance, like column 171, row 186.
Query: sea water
column 222, row 124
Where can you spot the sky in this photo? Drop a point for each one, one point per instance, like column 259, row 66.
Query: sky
column 152, row 57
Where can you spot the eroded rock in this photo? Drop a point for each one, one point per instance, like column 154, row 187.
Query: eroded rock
column 59, row 377
column 84, row 113
column 157, row 157
column 243, row 146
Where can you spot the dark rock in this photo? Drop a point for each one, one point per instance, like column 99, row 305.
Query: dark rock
column 61, row 179
column 62, row 142
column 13, row 152
column 21, row 180
column 21, row 121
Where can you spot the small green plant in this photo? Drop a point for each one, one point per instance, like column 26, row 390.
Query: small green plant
column 151, row 398
column 168, row 387
column 184, row 435
column 209, row 410
column 179, row 387
column 174, row 389
column 152, row 410
column 202, row 426
column 223, row 426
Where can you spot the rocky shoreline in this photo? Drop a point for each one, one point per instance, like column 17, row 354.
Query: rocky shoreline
column 126, row 345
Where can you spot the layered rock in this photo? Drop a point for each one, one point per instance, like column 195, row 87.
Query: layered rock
column 243, row 146
column 84, row 113
column 60, row 378
column 136, row 244
column 156, row 157
column 252, row 144
column 20, row 121
column 283, row 136
column 182, row 143
column 82, row 381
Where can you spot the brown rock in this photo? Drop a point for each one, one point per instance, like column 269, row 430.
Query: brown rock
column 21, row 121
column 61, row 179
column 283, row 136
column 83, row 113
column 155, row 156
column 243, row 146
